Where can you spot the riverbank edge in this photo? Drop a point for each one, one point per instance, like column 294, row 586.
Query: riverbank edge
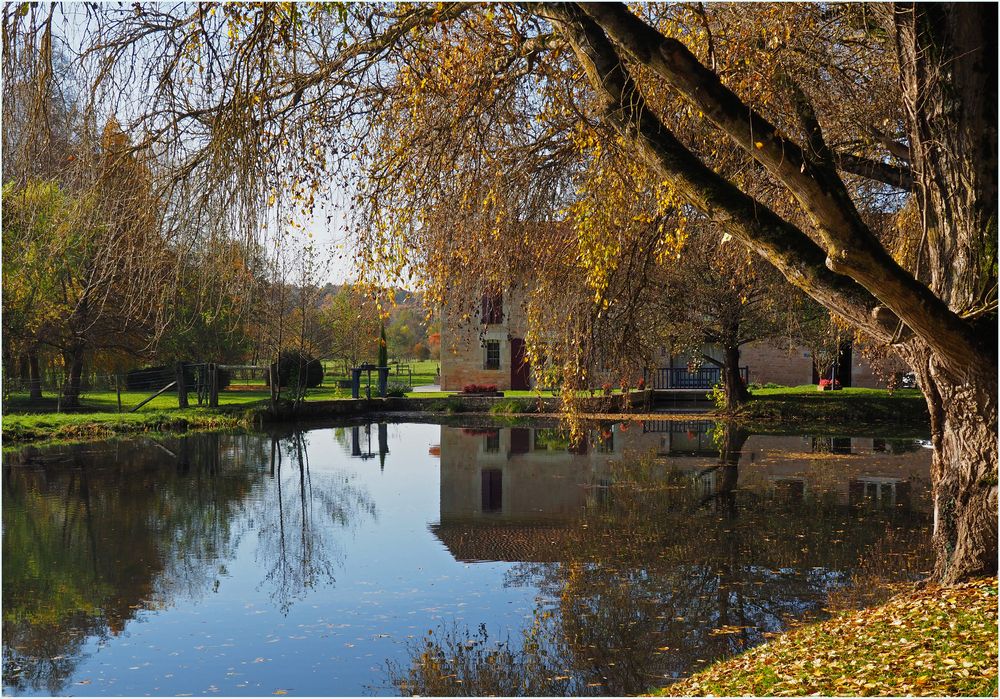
column 906, row 417
column 931, row 641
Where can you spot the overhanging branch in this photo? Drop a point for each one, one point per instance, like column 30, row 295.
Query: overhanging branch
column 851, row 247
column 789, row 249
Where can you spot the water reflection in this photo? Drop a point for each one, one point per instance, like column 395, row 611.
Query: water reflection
column 299, row 523
column 96, row 535
column 636, row 552
column 657, row 548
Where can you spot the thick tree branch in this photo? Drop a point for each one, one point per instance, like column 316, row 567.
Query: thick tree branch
column 892, row 175
column 898, row 150
column 852, row 248
column 796, row 255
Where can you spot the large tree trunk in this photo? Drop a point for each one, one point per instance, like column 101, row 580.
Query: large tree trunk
column 948, row 62
column 73, row 361
column 730, row 451
column 963, row 414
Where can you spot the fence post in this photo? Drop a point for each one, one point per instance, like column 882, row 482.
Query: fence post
column 118, row 392
column 213, row 385
column 182, row 396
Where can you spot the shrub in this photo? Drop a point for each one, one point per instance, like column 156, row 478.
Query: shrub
column 479, row 388
column 288, row 365
column 396, row 390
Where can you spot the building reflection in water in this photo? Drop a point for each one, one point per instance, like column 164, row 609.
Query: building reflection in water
column 656, row 548
column 503, row 486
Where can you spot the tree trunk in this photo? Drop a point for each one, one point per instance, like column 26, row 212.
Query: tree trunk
column 736, row 390
column 730, row 451
column 948, row 71
column 34, row 376
column 73, row 361
column 964, row 470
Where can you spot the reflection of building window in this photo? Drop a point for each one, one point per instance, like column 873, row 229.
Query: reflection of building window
column 880, row 493
column 790, row 489
column 841, row 445
column 602, row 493
column 492, row 442
column 492, row 354
column 549, row 439
column 878, row 445
column 492, row 490
column 831, row 445
column 606, row 442
column 492, row 311
column 708, row 482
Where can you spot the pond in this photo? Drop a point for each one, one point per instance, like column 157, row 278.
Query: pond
column 431, row 559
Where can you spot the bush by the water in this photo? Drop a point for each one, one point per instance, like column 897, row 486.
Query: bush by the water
column 290, row 363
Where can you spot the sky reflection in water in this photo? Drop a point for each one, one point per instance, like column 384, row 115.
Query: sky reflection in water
column 415, row 558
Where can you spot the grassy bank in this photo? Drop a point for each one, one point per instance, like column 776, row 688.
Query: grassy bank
column 85, row 426
column 772, row 410
column 850, row 409
column 931, row 642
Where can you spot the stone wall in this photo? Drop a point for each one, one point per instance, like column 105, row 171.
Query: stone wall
column 771, row 364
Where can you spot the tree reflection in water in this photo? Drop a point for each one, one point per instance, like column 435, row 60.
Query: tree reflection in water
column 659, row 578
column 298, row 524
column 95, row 534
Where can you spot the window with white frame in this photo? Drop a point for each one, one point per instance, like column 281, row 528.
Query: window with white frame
column 492, row 354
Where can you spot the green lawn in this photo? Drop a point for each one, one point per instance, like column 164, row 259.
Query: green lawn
column 98, row 416
column 100, row 425
column 811, row 391
column 802, row 406
column 795, row 408
column 423, row 373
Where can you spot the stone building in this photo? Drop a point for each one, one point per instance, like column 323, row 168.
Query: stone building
column 492, row 352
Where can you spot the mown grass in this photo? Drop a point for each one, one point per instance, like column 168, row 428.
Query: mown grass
column 803, row 407
column 938, row 641
column 85, row 426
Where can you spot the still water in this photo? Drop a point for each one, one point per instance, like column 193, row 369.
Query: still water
column 430, row 559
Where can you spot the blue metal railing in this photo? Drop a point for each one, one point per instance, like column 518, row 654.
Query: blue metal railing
column 679, row 377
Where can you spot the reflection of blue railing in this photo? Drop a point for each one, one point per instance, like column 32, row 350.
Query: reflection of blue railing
column 678, row 426
column 680, row 377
